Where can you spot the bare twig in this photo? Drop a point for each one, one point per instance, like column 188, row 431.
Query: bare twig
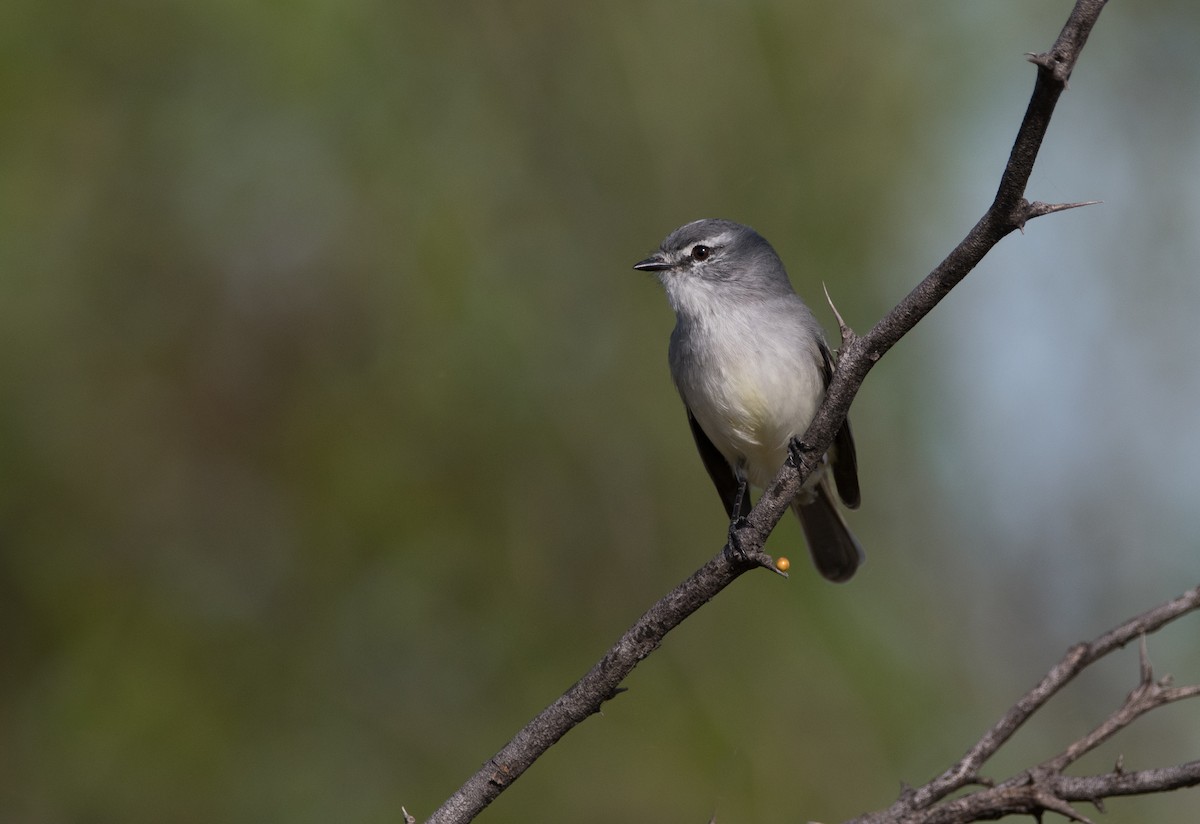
column 1044, row 787
column 966, row 771
column 1008, row 212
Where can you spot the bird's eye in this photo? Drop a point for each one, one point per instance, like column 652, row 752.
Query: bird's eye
column 701, row 252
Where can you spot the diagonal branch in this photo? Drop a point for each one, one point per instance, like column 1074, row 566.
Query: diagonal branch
column 587, row 694
column 1008, row 212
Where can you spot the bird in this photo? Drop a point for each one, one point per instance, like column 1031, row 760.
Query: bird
column 750, row 361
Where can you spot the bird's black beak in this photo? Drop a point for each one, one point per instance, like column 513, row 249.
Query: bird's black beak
column 655, row 263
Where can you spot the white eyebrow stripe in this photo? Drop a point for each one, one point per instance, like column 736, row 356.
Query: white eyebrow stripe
column 716, row 240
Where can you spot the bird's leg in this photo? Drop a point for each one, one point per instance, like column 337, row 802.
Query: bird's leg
column 738, row 521
column 739, row 499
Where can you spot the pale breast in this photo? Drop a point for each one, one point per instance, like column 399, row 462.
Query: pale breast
column 751, row 389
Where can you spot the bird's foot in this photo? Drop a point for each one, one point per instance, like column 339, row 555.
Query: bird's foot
column 797, row 449
column 735, row 550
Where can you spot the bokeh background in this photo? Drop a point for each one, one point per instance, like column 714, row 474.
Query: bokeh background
column 337, row 437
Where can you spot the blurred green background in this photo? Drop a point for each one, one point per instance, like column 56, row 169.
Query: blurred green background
column 337, row 435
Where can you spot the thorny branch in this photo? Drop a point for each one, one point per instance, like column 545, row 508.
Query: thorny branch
column 1009, row 211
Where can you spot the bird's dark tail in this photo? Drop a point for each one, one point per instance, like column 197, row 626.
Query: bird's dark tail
column 836, row 553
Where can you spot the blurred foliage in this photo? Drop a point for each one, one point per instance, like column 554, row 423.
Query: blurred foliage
column 338, row 439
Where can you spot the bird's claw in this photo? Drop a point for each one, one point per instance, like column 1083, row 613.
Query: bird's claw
column 733, row 547
column 796, row 450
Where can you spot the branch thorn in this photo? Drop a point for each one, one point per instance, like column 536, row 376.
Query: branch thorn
column 1027, row 211
column 1057, row 805
column 848, row 335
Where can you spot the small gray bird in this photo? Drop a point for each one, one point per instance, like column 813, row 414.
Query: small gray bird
column 751, row 364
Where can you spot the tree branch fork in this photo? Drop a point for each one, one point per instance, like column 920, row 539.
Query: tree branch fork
column 1041, row 788
column 1045, row 787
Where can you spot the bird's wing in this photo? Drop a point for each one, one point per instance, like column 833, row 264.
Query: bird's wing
column 719, row 470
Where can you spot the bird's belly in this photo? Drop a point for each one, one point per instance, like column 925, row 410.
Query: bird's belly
column 752, row 412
